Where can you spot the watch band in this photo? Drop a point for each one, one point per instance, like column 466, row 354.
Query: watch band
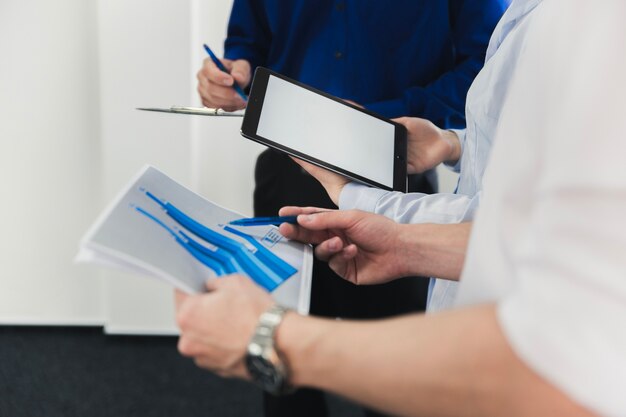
column 265, row 364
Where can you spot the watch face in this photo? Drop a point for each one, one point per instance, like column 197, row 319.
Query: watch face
column 264, row 373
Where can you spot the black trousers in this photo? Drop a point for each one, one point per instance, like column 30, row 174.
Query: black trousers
column 281, row 182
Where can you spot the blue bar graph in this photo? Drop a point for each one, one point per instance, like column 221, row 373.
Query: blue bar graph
column 220, row 253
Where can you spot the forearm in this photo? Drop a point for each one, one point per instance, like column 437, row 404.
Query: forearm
column 451, row 364
column 434, row 250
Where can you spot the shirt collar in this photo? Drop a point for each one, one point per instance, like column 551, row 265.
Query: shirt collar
column 516, row 12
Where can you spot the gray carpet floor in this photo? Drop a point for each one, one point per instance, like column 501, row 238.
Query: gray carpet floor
column 69, row 371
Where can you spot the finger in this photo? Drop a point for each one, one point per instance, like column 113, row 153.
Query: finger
column 187, row 347
column 218, row 284
column 186, row 312
column 290, row 211
column 343, row 262
column 307, row 166
column 329, row 248
column 402, row 120
column 216, row 75
column 294, row 210
column 226, row 98
column 224, row 94
column 288, row 230
column 204, row 87
column 240, row 71
column 215, row 284
column 354, row 103
column 337, row 219
column 179, row 297
column 215, row 95
column 205, row 363
column 350, row 252
column 339, row 265
column 300, row 234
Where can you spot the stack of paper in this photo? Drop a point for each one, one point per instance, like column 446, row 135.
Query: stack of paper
column 159, row 228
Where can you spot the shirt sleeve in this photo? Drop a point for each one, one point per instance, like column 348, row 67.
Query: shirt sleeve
column 443, row 101
column 248, row 34
column 567, row 317
column 409, row 208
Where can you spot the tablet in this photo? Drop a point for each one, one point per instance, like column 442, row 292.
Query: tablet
column 314, row 126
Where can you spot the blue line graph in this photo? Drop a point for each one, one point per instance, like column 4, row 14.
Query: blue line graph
column 223, row 255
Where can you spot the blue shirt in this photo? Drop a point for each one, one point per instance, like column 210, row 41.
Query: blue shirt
column 398, row 58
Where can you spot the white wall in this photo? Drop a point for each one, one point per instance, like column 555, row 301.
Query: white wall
column 222, row 154
column 71, row 74
column 144, row 62
column 49, row 160
column 156, row 66
column 447, row 179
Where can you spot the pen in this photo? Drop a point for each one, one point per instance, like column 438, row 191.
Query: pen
column 222, row 68
column 262, row 221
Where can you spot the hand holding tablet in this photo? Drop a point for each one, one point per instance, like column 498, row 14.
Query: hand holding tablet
column 326, row 131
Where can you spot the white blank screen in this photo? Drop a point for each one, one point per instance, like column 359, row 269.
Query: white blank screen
column 327, row 130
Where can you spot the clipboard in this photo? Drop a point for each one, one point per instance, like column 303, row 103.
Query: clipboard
column 198, row 111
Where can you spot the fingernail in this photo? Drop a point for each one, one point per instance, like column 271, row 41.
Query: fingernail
column 226, row 81
column 332, row 245
column 307, row 218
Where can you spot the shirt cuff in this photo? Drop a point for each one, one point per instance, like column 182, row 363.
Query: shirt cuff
column 456, row 167
column 390, row 108
column 360, row 197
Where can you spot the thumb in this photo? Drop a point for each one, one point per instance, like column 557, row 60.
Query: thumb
column 405, row 121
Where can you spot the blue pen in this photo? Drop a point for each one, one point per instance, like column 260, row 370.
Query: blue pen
column 221, row 66
column 263, row 221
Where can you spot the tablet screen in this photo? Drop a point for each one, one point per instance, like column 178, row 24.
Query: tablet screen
column 327, row 130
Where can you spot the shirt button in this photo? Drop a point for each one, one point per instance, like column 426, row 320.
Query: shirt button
column 338, row 55
column 340, row 7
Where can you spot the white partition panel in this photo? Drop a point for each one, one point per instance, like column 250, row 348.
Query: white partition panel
column 224, row 159
column 49, row 160
column 71, row 74
column 144, row 62
column 151, row 59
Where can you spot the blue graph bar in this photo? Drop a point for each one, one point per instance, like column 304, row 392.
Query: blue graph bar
column 231, row 256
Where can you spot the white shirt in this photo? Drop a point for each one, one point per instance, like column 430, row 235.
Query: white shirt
column 484, row 102
column 549, row 241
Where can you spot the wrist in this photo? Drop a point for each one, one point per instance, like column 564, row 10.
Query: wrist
column 421, row 242
column 409, row 249
column 334, row 192
column 454, row 143
column 435, row 250
column 297, row 339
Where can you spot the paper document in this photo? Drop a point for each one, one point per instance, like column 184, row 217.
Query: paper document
column 159, row 228
column 200, row 111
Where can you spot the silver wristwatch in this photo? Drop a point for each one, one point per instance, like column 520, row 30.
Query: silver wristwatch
column 263, row 361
